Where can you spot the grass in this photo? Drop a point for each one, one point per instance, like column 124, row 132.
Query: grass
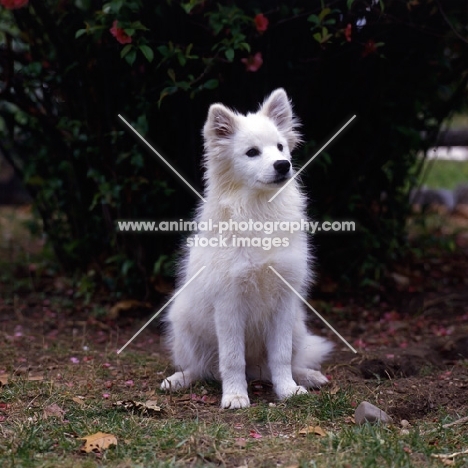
column 445, row 174
column 190, row 433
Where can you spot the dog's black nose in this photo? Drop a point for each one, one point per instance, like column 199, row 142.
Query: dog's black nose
column 282, row 166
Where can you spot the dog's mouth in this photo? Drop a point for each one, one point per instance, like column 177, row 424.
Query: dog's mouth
column 275, row 181
column 278, row 180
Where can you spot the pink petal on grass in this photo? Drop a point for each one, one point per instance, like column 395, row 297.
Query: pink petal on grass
column 360, row 343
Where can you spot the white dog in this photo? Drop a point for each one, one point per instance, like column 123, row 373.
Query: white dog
column 238, row 319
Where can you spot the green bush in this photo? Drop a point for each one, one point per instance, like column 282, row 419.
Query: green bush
column 70, row 67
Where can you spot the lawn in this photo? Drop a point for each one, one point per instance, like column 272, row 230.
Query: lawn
column 445, row 174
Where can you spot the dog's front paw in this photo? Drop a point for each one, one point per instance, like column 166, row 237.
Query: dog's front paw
column 310, row 378
column 289, row 391
column 234, row 401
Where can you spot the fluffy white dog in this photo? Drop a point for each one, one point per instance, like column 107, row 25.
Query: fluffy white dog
column 238, row 320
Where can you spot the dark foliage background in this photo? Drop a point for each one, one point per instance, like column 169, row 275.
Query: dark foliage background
column 400, row 65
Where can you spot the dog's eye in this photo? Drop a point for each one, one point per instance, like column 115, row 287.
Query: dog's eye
column 252, row 152
column 279, row 146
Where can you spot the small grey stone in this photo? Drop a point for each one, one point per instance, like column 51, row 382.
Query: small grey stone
column 367, row 412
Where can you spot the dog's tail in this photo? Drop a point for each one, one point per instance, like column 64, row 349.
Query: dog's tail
column 313, row 351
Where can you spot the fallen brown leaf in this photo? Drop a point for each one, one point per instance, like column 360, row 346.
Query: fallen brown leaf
column 183, row 398
column 313, row 430
column 210, row 400
column 98, row 442
column 123, row 306
column 151, row 407
column 78, row 400
column 4, row 379
column 53, row 410
column 240, row 442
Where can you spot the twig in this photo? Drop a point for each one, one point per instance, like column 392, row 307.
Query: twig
column 456, row 423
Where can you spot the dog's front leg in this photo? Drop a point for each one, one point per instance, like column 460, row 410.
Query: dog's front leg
column 279, row 348
column 230, row 330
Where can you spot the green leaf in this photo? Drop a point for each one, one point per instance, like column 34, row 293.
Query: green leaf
column 138, row 25
column 80, row 32
column 147, row 52
column 163, row 50
column 211, row 84
column 182, row 60
column 116, row 5
column 166, row 92
column 129, row 31
column 125, row 50
column 107, row 8
column 244, row 46
column 313, row 19
column 127, row 265
column 130, row 57
column 324, row 12
column 349, row 3
column 171, row 74
column 229, row 53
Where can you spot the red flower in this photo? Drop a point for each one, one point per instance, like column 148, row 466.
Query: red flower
column 119, row 33
column 261, row 23
column 253, row 62
column 13, row 4
column 347, row 32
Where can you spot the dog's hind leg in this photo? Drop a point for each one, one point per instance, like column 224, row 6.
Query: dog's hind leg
column 308, row 353
column 188, row 350
column 178, row 381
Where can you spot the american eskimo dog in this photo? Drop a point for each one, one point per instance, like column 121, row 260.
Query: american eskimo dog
column 238, row 320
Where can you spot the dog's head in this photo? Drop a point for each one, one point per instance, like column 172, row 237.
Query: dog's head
column 252, row 150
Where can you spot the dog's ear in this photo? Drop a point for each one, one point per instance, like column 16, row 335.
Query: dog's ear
column 278, row 108
column 221, row 122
